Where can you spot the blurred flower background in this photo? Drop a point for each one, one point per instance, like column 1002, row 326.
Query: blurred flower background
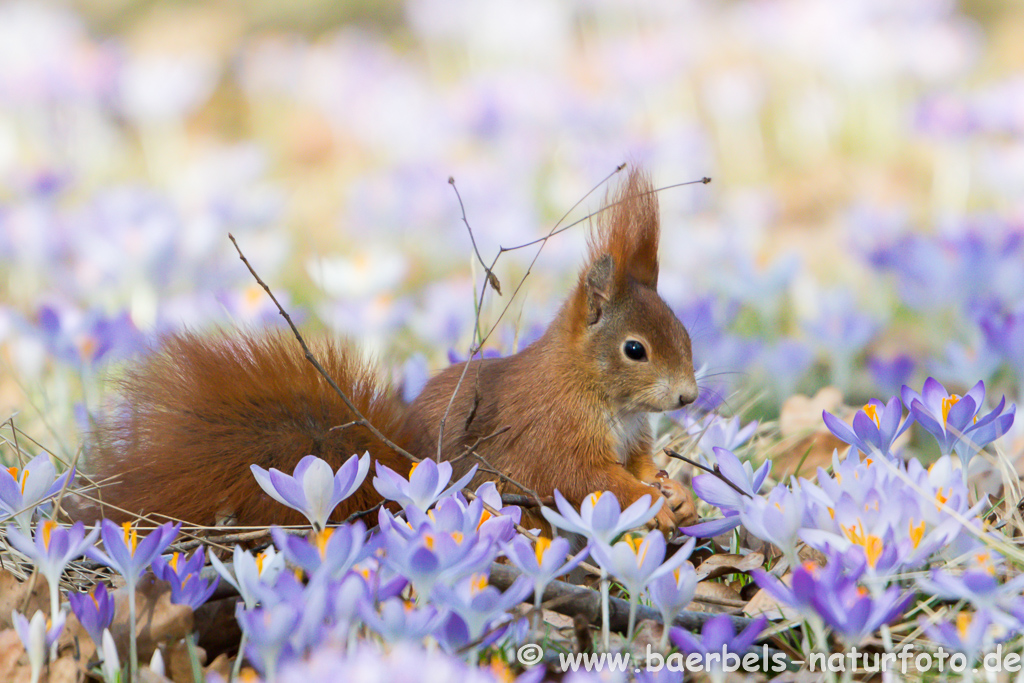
column 863, row 228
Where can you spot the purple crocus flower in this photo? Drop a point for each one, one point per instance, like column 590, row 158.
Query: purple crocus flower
column 400, row 620
column 452, row 513
column 875, row 426
column 600, row 519
column 427, row 483
column 727, row 492
column 329, row 553
column 715, row 431
column 38, row 636
column 970, row 633
column 475, row 606
column 670, row 593
column 129, row 557
column 187, row 588
column 268, row 631
column 314, row 489
column 253, row 577
column 541, row 561
column 1002, row 602
column 21, row 492
column 634, row 563
column 52, row 548
column 430, row 558
column 956, row 421
column 718, row 635
column 833, row 594
column 95, row 612
column 777, row 518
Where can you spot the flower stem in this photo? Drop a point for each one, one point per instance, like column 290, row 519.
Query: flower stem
column 133, row 647
column 238, row 659
column 54, row 611
column 634, row 602
column 605, row 634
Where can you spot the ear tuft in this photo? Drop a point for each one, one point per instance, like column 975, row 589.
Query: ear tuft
column 628, row 231
column 598, row 285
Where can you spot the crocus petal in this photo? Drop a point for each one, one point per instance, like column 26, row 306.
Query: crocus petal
column 713, row 527
column 350, row 477
column 461, row 483
column 425, row 480
column 839, row 428
column 289, row 488
column 317, row 489
column 263, row 479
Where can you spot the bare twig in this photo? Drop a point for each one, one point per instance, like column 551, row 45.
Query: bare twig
column 361, row 419
column 711, row 470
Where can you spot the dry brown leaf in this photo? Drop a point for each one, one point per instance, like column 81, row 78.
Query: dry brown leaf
column 64, row 670
column 647, row 635
column 722, row 564
column 221, row 666
column 15, row 593
column 147, row 675
column 717, row 591
column 809, row 443
column 178, row 663
column 11, row 651
column 157, row 619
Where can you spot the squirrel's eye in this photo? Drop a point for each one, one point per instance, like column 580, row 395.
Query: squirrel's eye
column 634, row 350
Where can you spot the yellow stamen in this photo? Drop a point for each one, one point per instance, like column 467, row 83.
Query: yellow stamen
column 48, row 527
column 322, row 539
column 477, row 583
column 839, row 478
column 542, row 545
column 779, row 506
column 24, row 476
column 868, row 462
column 963, row 622
column 457, row 537
column 428, row 541
column 941, row 498
column 413, row 469
column 594, row 497
column 832, row 513
column 872, row 412
column 872, row 544
column 916, row 533
column 501, row 671
column 948, row 403
column 131, row 537
column 261, row 558
column 484, row 516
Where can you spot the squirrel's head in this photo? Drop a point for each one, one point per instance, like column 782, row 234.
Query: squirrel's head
column 640, row 352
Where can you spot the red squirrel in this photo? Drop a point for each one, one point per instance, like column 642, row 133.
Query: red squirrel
column 568, row 412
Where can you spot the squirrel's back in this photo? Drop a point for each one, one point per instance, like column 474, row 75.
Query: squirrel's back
column 191, row 417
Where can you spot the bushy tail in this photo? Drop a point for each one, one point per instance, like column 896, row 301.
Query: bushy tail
column 192, row 416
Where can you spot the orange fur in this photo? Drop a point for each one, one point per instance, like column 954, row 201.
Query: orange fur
column 198, row 412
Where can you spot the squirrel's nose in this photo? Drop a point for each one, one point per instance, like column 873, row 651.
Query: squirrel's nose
column 688, row 396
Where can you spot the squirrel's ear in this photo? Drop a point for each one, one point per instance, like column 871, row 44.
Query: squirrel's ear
column 599, row 282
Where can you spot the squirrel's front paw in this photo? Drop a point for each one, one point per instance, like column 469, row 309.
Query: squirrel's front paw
column 678, row 500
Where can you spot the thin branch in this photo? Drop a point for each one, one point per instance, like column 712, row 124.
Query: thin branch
column 492, row 279
column 361, row 419
column 710, row 470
